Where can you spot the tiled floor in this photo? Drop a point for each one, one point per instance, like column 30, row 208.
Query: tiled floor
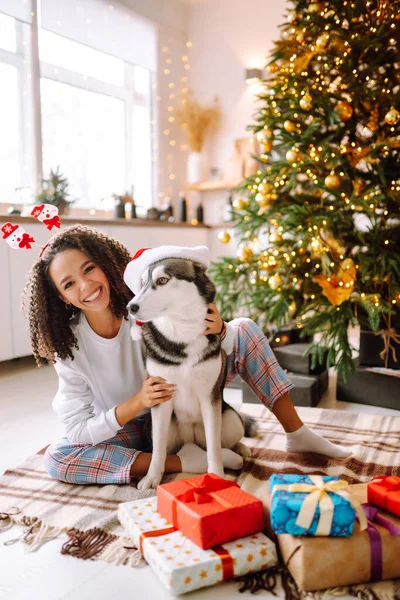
column 27, row 423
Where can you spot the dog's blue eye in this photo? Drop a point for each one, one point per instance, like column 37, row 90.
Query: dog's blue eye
column 162, row 281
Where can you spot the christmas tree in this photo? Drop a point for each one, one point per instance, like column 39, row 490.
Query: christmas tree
column 319, row 222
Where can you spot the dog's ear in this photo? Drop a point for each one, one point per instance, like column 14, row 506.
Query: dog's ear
column 205, row 285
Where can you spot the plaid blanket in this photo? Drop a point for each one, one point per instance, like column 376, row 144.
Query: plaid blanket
column 88, row 514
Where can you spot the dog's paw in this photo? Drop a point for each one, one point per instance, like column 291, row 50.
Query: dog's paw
column 149, row 481
column 242, row 449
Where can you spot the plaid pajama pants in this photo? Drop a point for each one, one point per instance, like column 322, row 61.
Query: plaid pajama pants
column 110, row 461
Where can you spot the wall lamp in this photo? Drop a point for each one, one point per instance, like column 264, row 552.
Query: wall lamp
column 255, row 75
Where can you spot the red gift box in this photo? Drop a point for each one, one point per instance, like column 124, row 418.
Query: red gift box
column 385, row 493
column 210, row 510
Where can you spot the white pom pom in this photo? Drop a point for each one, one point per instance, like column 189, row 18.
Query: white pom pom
column 136, row 330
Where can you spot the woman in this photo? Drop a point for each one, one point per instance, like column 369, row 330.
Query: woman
column 76, row 300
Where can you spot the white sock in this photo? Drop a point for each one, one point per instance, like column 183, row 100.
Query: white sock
column 194, row 459
column 305, row 440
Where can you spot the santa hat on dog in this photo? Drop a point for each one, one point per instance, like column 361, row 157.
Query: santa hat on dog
column 148, row 256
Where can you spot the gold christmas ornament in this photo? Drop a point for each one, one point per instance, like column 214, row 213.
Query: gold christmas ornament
column 264, row 136
column 322, row 41
column 224, row 237
column 289, row 126
column 275, row 236
column 300, row 37
column 392, row 117
column 314, row 7
column 239, row 203
column 292, row 156
column 306, row 102
column 265, row 187
column 292, row 308
column 292, row 16
column 344, row 110
column 244, row 253
column 332, row 181
column 267, row 146
column 274, row 68
column 275, row 282
column 262, row 199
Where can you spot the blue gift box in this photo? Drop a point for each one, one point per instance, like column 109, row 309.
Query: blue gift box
column 286, row 506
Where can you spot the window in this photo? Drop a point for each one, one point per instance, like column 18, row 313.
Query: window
column 94, row 100
column 15, row 110
column 96, row 121
column 10, row 146
column 8, row 35
column 84, row 133
column 73, row 56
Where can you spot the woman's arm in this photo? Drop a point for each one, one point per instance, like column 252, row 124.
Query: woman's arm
column 74, row 405
column 153, row 391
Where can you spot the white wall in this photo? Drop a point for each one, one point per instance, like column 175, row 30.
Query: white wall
column 171, row 17
column 229, row 36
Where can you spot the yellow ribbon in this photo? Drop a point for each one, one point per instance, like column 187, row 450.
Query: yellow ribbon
column 318, row 496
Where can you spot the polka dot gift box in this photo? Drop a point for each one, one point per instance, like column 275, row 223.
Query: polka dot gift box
column 181, row 565
column 312, row 505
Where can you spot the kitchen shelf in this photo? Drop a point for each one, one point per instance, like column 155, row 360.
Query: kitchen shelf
column 210, row 186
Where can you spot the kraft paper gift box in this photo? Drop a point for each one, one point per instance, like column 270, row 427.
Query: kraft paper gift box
column 384, row 492
column 210, row 510
column 299, row 506
column 179, row 563
column 368, row 555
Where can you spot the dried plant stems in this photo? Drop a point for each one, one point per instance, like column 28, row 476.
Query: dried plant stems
column 197, row 120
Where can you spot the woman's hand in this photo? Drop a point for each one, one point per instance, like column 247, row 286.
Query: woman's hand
column 155, row 390
column 214, row 322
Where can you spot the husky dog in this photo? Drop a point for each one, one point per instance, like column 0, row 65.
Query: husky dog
column 171, row 303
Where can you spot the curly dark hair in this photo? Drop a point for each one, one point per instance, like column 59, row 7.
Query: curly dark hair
column 49, row 319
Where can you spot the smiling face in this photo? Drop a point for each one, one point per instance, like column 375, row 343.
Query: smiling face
column 80, row 281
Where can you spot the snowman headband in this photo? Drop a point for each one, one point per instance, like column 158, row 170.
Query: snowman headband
column 17, row 238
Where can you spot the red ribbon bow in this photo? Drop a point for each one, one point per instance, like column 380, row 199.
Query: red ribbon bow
column 204, row 491
column 26, row 241
column 53, row 222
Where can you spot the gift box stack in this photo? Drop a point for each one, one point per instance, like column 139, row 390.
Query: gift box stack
column 376, row 378
column 313, row 520
column 199, row 532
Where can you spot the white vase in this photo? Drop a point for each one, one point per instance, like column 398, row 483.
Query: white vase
column 195, row 168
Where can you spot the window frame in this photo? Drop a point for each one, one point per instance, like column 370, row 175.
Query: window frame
column 21, row 59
